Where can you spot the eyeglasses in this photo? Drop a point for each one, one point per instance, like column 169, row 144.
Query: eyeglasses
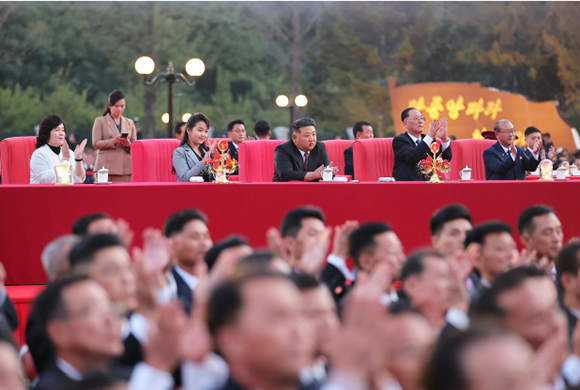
column 419, row 118
column 508, row 131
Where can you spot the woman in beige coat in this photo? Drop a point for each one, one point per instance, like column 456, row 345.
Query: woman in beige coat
column 113, row 135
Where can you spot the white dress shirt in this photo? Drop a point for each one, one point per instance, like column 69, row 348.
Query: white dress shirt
column 428, row 140
column 189, row 279
column 340, row 264
column 43, row 162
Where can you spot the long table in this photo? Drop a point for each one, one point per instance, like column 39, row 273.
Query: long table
column 32, row 216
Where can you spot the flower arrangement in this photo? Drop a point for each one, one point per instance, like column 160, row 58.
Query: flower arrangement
column 222, row 164
column 434, row 166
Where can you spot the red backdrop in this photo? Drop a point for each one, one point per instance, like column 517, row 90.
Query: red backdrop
column 32, row 216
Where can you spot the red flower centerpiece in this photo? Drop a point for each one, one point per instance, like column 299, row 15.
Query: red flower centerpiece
column 434, row 166
column 222, row 164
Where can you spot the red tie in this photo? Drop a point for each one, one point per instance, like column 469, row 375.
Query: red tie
column 306, row 161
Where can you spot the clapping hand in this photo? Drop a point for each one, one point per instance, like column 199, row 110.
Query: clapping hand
column 537, row 146
column 208, row 154
column 433, row 128
column 340, row 242
column 552, row 153
column 442, row 132
column 313, row 258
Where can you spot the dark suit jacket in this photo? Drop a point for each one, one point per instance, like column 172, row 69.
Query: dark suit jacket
column 53, row 378
column 335, row 281
column 348, row 162
column 9, row 312
column 407, row 156
column 234, row 153
column 184, row 293
column 499, row 165
column 572, row 322
column 233, row 385
column 289, row 164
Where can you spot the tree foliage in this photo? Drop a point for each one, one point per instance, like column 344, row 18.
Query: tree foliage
column 66, row 57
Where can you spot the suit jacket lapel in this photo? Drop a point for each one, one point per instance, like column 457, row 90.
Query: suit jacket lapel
column 499, row 149
column 112, row 124
column 298, row 157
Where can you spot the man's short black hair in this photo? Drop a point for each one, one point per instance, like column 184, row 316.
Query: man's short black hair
column 415, row 263
column 235, row 122
column 488, row 302
column 84, row 252
column 358, row 127
column 531, row 130
column 447, row 214
column 478, row 233
column 304, row 281
column 302, row 122
column 526, row 220
column 546, row 135
column 178, row 127
column 362, row 240
column 568, row 261
column 405, row 113
column 176, row 222
column 445, row 371
column 81, row 225
column 231, row 241
column 257, row 262
column 50, row 305
column 261, row 128
column 225, row 302
column 292, row 222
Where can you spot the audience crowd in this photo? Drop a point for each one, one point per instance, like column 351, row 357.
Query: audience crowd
column 335, row 308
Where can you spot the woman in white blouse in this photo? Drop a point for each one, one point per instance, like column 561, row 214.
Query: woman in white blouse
column 51, row 148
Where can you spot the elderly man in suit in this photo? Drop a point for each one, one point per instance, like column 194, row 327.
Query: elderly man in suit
column 506, row 161
column 302, row 158
column 412, row 146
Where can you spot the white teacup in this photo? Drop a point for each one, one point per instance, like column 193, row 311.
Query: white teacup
column 465, row 173
column 102, row 175
column 561, row 173
column 327, row 174
column 196, row 179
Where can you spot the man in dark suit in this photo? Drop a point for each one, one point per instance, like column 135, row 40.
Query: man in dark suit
column 256, row 323
column 237, row 134
column 568, row 271
column 360, row 130
column 188, row 231
column 427, row 289
column 370, row 245
column 302, row 158
column 412, row 146
column 491, row 244
column 506, row 161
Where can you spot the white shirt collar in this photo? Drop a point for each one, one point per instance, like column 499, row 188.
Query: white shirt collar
column 507, row 150
column 340, row 264
column 485, row 283
column 69, row 370
column 415, row 139
column 235, row 145
column 188, row 278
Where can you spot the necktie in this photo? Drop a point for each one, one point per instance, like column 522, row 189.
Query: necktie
column 306, row 161
column 417, row 142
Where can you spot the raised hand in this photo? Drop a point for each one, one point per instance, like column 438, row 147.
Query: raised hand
column 65, row 151
column 537, row 146
column 164, row 349
column 125, row 232
column 552, row 153
column 442, row 133
column 209, row 153
column 514, row 149
column 80, row 149
column 433, row 128
column 276, row 244
column 340, row 242
column 313, row 258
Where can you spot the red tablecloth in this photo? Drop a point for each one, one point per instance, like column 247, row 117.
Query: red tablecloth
column 32, row 216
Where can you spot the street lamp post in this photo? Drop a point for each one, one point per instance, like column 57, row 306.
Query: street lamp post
column 299, row 101
column 145, row 66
